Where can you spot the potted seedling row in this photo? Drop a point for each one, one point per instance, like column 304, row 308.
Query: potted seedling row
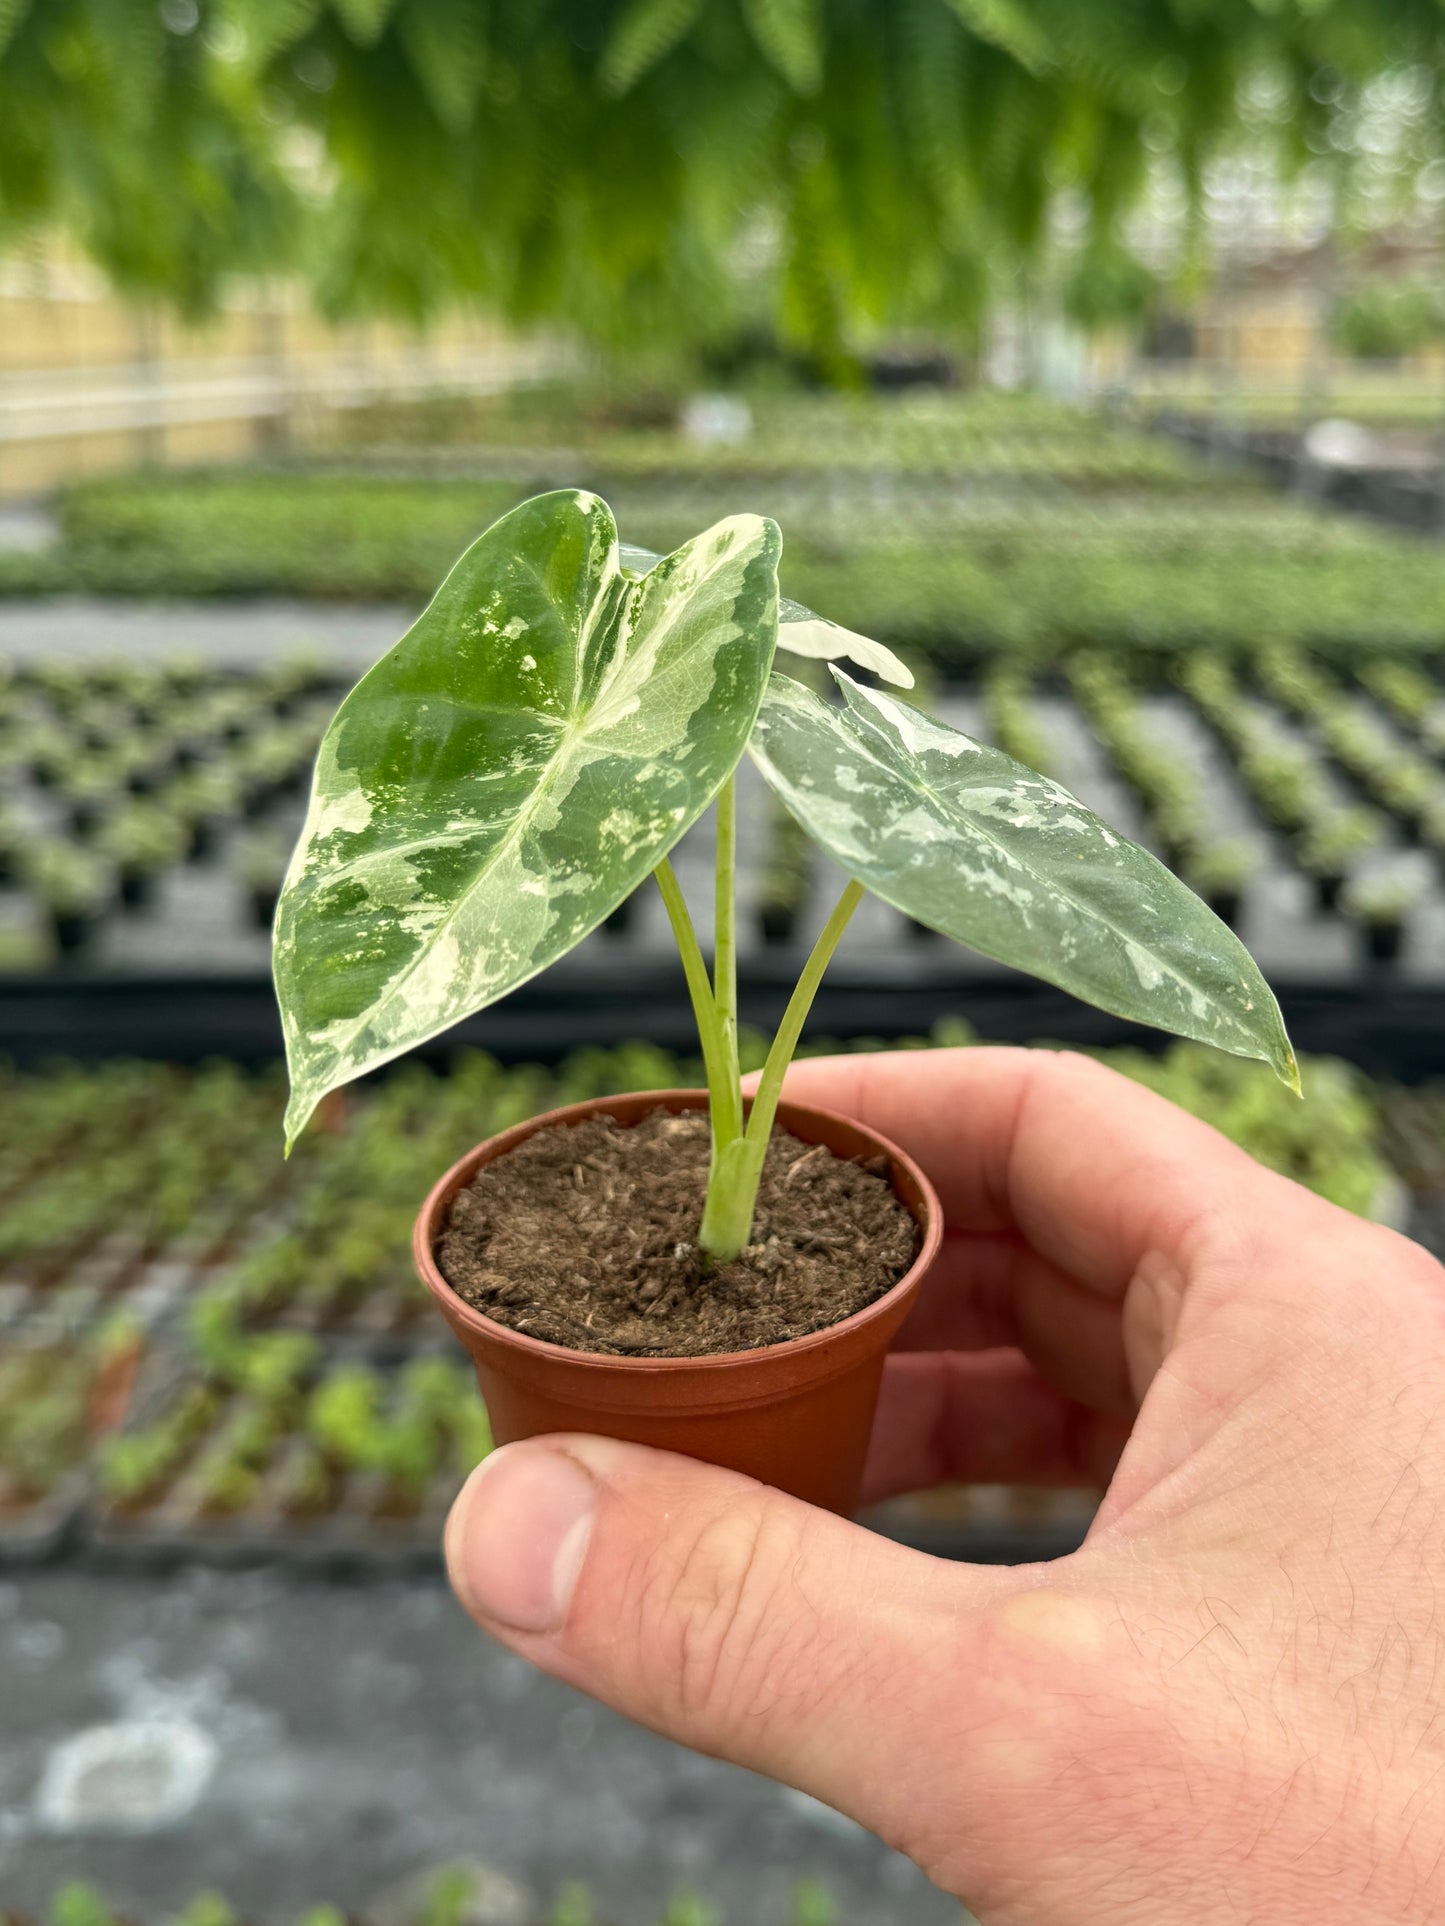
column 467, row 1893
column 1333, row 844
column 1220, row 872
column 89, row 792
column 207, row 799
column 356, row 1284
column 12, row 845
column 173, row 1182
column 58, row 1402
column 1415, row 1132
column 264, row 855
column 1009, row 711
column 143, row 840
column 524, row 758
column 1380, row 906
column 277, row 1457
column 74, row 888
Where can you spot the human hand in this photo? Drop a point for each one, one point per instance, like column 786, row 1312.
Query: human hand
column 1229, row 1705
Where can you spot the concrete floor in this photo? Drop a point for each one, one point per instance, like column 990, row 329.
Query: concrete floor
column 286, row 1742
column 239, row 633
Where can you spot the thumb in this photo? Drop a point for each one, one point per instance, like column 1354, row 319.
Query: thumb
column 734, row 1619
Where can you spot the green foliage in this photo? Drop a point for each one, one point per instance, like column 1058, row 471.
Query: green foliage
column 813, row 1905
column 1336, row 839
column 1383, row 900
column 1410, row 696
column 207, row 1909
column 147, row 144
column 1010, row 719
column 447, row 1902
column 143, row 837
column 45, row 1429
column 573, row 1906
column 268, row 1367
column 510, row 772
column 1168, row 789
column 138, row 1463
column 79, row 1904
column 353, row 537
column 425, row 1422
column 1107, row 286
column 603, row 164
column 404, row 1428
column 949, row 573
column 1384, row 320
column 1214, row 868
column 1329, row 1142
column 465, row 828
column 973, row 844
column 69, row 880
column 642, row 33
column 689, row 1908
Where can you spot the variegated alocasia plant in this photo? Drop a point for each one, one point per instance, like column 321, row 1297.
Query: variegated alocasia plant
column 561, row 715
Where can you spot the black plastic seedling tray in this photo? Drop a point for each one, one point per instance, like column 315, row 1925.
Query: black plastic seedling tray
column 119, row 1274
column 36, row 1529
column 1388, row 1026
column 34, row 1534
column 359, row 1529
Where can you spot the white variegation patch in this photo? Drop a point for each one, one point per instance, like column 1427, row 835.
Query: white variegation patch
column 801, row 632
column 976, row 845
column 466, row 826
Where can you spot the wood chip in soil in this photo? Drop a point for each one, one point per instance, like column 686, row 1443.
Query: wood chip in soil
column 584, row 1236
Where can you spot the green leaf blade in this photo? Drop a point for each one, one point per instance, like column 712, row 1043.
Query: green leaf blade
column 509, row 773
column 986, row 851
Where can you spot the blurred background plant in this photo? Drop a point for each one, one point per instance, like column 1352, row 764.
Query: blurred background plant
column 665, row 174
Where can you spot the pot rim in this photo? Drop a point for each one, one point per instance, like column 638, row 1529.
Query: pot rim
column 928, row 1216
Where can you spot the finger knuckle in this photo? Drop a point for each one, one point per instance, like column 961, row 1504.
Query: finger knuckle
column 724, row 1616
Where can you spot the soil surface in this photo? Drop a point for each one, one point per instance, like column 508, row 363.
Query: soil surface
column 583, row 1236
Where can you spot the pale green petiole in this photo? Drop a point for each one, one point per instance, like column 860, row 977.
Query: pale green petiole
column 738, row 1152
column 725, row 946
column 719, row 1068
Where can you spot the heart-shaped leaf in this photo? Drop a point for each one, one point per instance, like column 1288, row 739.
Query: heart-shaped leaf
column 974, row 844
column 510, row 772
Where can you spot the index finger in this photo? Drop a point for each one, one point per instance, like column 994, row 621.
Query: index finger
column 1092, row 1170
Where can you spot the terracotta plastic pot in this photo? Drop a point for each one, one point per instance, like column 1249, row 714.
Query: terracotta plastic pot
column 795, row 1415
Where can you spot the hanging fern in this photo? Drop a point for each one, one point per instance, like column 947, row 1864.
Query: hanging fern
column 790, row 35
column 661, row 170
column 642, row 34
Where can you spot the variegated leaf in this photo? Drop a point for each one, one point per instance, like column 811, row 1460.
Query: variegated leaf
column 801, row 632
column 975, row 845
column 510, row 772
column 804, row 633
